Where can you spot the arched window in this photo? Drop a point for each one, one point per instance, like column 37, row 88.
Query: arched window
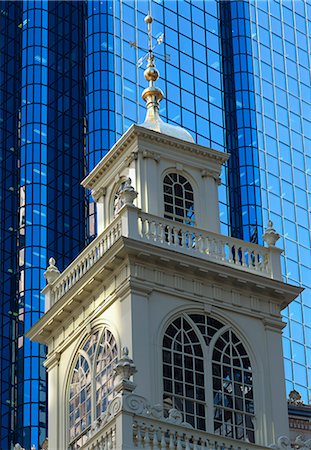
column 178, row 199
column 117, row 202
column 232, row 389
column 183, row 373
column 91, row 386
column 193, row 372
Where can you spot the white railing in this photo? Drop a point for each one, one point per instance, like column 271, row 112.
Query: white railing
column 131, row 423
column 103, row 440
column 133, row 223
column 87, row 258
column 153, row 434
column 209, row 245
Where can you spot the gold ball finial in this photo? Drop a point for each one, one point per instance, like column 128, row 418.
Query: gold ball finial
column 148, row 19
column 151, row 74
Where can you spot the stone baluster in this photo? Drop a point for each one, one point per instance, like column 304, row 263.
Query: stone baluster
column 171, row 444
column 207, row 244
column 154, row 231
column 155, row 441
column 169, row 234
column 222, row 245
column 200, row 244
column 194, row 241
column 113, row 435
column 163, row 441
column 183, row 238
column 148, row 438
column 142, row 227
column 213, row 247
column 161, row 232
column 175, row 234
column 187, row 447
column 147, row 228
column 138, row 436
column 178, row 442
column 240, row 256
column 109, row 440
column 256, row 260
column 229, row 252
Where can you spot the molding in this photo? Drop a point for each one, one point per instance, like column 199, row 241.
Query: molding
column 52, row 360
column 137, row 132
column 132, row 157
column 212, row 174
column 147, row 154
column 163, row 270
column 97, row 194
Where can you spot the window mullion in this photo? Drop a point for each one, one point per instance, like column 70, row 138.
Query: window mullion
column 93, row 387
column 209, row 395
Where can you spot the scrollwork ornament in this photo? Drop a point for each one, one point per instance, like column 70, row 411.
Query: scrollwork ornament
column 115, row 406
column 282, row 443
column 135, row 403
column 175, row 417
column 156, row 411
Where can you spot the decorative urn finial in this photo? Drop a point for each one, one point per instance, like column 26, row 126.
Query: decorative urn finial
column 124, row 369
column 127, row 194
column 270, row 236
column 51, row 272
column 294, row 398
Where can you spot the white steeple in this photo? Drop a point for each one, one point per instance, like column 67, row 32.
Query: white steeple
column 197, row 313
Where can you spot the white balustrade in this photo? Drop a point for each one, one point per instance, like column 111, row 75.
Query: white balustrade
column 133, row 223
column 87, row 258
column 151, row 435
column 209, row 245
column 102, row 440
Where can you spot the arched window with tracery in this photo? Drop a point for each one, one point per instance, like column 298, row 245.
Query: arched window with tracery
column 232, row 389
column 91, row 385
column 178, row 199
column 204, row 359
column 183, row 373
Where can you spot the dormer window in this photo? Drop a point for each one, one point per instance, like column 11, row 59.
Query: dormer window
column 178, row 199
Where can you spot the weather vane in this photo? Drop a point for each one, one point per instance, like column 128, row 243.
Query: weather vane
column 150, row 50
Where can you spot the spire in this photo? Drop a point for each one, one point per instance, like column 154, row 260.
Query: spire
column 152, row 94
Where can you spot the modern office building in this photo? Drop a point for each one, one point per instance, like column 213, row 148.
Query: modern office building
column 236, row 75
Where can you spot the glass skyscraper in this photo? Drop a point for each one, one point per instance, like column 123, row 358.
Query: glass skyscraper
column 236, row 74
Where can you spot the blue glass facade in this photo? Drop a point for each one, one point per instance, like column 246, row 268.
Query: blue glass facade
column 280, row 34
column 42, row 120
column 235, row 74
column 10, row 43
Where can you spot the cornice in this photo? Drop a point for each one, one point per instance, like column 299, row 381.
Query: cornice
column 135, row 132
column 182, row 269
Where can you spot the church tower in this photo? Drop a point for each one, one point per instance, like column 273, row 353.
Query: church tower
column 163, row 333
